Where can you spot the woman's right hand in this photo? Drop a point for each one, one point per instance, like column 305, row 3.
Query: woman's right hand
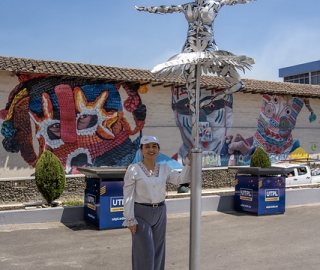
column 133, row 229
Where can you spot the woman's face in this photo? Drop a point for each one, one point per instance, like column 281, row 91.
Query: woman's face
column 150, row 150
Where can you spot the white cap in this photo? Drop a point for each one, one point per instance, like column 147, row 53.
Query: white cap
column 149, row 139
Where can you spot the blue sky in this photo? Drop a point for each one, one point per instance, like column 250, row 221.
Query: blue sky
column 276, row 33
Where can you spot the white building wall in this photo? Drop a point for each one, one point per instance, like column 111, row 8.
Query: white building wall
column 160, row 122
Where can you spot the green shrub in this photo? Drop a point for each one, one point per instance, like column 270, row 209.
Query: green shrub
column 260, row 158
column 50, row 177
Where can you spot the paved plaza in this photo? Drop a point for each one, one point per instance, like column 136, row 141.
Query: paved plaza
column 229, row 240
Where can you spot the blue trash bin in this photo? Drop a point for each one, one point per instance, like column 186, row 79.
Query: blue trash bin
column 260, row 195
column 261, row 191
column 103, row 197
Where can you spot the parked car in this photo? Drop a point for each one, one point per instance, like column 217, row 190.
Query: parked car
column 301, row 174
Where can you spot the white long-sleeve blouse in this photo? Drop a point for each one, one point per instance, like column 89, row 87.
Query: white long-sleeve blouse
column 142, row 187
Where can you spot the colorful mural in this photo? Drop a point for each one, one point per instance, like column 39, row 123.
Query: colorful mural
column 215, row 124
column 278, row 117
column 277, row 120
column 80, row 120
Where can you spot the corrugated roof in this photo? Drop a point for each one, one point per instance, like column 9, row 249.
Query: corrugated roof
column 117, row 74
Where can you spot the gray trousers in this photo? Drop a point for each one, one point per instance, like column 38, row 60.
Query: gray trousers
column 149, row 242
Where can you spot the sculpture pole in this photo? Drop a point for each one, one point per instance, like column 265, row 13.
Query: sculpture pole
column 196, row 188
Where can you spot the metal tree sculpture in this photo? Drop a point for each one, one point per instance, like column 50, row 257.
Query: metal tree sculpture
column 200, row 51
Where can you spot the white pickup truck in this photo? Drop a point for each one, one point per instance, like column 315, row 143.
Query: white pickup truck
column 301, row 174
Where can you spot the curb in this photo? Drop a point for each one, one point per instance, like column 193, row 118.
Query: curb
column 41, row 215
column 220, row 203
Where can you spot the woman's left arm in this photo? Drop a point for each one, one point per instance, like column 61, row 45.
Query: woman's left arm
column 177, row 178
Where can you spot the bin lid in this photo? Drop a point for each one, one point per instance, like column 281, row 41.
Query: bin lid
column 260, row 171
column 103, row 172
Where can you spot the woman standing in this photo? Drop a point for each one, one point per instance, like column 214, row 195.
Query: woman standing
column 144, row 205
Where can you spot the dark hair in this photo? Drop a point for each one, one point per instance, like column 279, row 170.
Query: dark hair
column 155, row 143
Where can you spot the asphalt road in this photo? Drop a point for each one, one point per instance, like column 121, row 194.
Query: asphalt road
column 228, row 241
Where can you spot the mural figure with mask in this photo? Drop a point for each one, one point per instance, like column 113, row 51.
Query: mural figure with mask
column 81, row 121
column 277, row 120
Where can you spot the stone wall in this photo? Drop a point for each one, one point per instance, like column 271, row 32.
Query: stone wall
column 24, row 190
column 213, row 179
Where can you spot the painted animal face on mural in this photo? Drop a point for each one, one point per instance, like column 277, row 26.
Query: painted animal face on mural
column 277, row 119
column 81, row 122
column 215, row 122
